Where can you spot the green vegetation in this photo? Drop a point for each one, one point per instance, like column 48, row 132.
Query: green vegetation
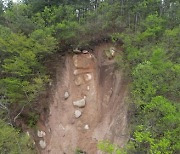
column 79, row 151
column 32, row 119
column 12, row 142
column 109, row 148
column 149, row 31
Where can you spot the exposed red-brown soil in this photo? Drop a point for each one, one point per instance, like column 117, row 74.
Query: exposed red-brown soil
column 105, row 112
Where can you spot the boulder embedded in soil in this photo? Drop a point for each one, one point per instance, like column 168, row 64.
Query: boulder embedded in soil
column 76, row 72
column 80, row 103
column 86, row 127
column 84, row 51
column 77, row 113
column 82, row 61
column 42, row 144
column 79, row 80
column 41, row 133
column 66, row 95
column 81, row 71
column 87, row 77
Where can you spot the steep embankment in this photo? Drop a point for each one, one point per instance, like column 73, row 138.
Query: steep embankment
column 91, row 78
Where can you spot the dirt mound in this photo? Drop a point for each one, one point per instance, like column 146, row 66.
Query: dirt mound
column 90, row 79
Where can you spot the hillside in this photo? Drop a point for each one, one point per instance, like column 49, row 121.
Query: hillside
column 92, row 77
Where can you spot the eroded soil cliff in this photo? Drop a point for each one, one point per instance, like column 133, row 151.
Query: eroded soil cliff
column 91, row 77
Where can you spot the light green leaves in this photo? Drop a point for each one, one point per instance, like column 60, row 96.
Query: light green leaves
column 21, row 56
column 109, row 148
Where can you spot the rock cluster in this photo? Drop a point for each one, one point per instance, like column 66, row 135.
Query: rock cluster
column 42, row 142
column 83, row 62
column 41, row 133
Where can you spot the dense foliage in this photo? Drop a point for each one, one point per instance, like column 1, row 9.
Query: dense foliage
column 149, row 29
column 12, row 142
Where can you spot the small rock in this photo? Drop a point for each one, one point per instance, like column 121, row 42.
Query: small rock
column 42, row 144
column 112, row 51
column 27, row 133
column 77, row 113
column 66, row 95
column 41, row 133
column 89, row 56
column 88, row 88
column 84, row 51
column 77, row 50
column 75, row 72
column 80, row 103
column 86, row 127
column 87, row 77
